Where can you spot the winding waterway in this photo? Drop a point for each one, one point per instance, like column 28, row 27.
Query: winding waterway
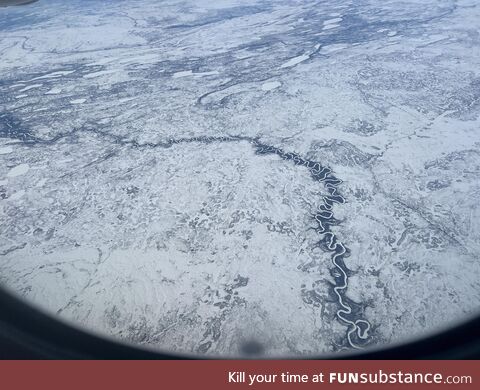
column 348, row 311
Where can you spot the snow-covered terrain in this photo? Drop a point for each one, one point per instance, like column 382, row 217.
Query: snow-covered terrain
column 197, row 176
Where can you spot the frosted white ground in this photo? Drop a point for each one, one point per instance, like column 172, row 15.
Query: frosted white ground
column 135, row 201
column 271, row 85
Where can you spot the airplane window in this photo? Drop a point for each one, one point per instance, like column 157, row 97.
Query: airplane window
column 242, row 178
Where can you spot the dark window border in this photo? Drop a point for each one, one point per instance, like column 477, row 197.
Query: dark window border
column 28, row 333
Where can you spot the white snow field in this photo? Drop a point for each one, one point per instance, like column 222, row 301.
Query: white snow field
column 193, row 176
